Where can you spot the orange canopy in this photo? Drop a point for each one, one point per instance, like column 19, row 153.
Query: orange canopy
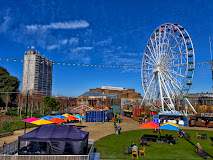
column 71, row 118
column 149, row 126
column 57, row 120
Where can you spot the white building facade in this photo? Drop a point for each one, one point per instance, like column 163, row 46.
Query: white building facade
column 37, row 73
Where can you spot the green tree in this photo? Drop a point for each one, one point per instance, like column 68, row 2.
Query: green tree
column 50, row 104
column 8, row 83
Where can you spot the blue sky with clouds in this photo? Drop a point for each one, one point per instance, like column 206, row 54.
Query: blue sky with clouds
column 98, row 32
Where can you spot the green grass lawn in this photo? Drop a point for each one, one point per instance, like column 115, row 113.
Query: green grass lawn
column 111, row 146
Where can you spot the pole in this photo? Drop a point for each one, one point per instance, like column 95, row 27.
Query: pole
column 7, row 103
column 211, row 61
column 25, row 126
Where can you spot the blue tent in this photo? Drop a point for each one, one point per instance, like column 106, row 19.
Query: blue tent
column 59, row 116
column 79, row 116
column 46, row 117
column 54, row 139
column 169, row 127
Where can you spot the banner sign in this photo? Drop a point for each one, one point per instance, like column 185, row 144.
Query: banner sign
column 116, row 105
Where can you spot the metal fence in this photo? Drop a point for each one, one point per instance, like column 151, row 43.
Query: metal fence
column 9, row 149
column 9, row 152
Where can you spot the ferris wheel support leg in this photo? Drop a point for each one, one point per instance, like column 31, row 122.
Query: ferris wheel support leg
column 147, row 91
column 161, row 94
column 171, row 106
column 187, row 101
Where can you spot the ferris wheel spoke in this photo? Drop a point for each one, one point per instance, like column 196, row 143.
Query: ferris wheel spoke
column 147, row 90
column 170, row 45
column 178, row 65
column 154, row 61
column 174, row 60
column 177, row 44
column 148, row 63
column 156, row 41
column 171, row 106
column 174, row 80
column 148, row 69
column 155, row 51
column 172, row 83
column 175, row 56
column 152, row 89
column 167, row 84
column 171, row 71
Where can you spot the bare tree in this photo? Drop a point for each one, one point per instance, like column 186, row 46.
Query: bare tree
column 6, row 99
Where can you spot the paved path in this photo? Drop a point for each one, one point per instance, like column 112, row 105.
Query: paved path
column 98, row 130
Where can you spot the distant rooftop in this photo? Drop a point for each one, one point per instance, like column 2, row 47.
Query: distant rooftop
column 113, row 88
column 96, row 93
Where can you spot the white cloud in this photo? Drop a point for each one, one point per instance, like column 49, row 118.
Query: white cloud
column 132, row 54
column 5, row 21
column 118, row 59
column 64, row 41
column 52, row 47
column 60, row 25
column 73, row 41
column 104, row 42
column 82, row 48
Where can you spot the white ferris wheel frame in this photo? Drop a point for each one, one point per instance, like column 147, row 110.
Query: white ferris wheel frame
column 168, row 65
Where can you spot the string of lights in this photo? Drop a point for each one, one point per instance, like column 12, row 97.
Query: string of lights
column 197, row 65
column 77, row 64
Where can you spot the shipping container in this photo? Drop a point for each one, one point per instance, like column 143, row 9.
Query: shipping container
column 96, row 116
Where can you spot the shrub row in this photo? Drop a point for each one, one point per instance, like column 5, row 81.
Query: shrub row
column 12, row 126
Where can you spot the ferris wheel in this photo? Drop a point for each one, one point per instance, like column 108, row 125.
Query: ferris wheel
column 167, row 66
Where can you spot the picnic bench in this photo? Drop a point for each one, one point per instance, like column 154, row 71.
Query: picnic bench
column 211, row 140
column 187, row 136
column 148, row 136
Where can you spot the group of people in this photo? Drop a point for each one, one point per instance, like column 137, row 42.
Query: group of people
column 181, row 134
column 142, row 120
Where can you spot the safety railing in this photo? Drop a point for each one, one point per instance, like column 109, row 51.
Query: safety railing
column 9, row 152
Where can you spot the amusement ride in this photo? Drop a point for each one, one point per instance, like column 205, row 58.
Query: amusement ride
column 167, row 69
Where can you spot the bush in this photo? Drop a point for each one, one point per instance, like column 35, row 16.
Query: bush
column 12, row 112
column 12, row 126
column 37, row 114
column 7, row 127
column 2, row 131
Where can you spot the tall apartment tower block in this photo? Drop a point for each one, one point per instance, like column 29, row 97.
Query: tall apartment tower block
column 37, row 73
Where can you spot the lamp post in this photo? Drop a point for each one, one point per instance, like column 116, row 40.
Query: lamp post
column 102, row 108
column 25, row 125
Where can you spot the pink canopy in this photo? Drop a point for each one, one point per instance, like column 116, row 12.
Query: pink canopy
column 154, row 123
column 150, row 125
column 28, row 120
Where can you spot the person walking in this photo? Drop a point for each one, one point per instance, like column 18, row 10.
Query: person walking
column 207, row 123
column 119, row 130
column 177, row 121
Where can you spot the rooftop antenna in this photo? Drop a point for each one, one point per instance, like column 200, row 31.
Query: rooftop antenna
column 211, row 61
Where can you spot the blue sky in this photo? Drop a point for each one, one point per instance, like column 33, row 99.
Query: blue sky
column 98, row 32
